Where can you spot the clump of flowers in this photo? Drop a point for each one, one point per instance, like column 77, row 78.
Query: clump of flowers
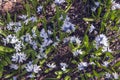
column 115, row 5
column 102, row 41
column 68, row 26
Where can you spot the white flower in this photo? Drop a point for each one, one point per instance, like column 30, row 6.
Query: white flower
column 23, row 17
column 102, row 41
column 39, row 9
column 51, row 65
column 33, row 33
column 10, row 39
column 107, row 75
column 31, row 76
column 32, row 67
column 55, row 44
column 28, row 38
column 92, row 63
column 14, row 66
column 76, row 40
column 63, row 66
column 115, row 75
column 97, row 4
column 14, row 78
column 93, row 9
column 68, row 27
column 105, row 63
column 49, row 32
column 19, row 57
column 82, row 65
column 59, row 1
column 41, row 55
column 36, row 68
column 33, row 19
column 16, row 29
column 91, row 28
column 77, row 52
column 14, row 39
column 18, row 46
column 10, row 25
column 106, row 49
column 34, row 44
column 115, row 5
column 43, row 34
column 46, row 42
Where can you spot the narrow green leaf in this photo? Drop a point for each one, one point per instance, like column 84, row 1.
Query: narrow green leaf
column 6, row 49
column 67, row 78
column 88, row 19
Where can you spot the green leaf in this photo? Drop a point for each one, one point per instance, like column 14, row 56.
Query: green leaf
column 8, row 17
column 117, row 64
column 99, row 11
column 6, row 49
column 95, row 73
column 2, row 33
column 86, row 41
column 27, row 6
column 1, row 70
column 8, row 59
column 67, row 78
column 88, row 19
column 4, row 63
column 58, row 72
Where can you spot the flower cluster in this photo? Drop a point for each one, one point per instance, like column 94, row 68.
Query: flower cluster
column 68, row 26
column 115, row 5
column 102, row 41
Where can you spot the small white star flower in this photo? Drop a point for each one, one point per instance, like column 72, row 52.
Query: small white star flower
column 33, row 33
column 32, row 67
column 11, row 39
column 39, row 9
column 102, row 41
column 93, row 9
column 63, row 66
column 91, row 28
column 18, row 47
column 115, row 5
column 82, row 65
column 46, row 42
column 34, row 44
column 14, row 66
column 68, row 27
column 19, row 57
column 77, row 52
column 10, row 26
column 75, row 40
column 105, row 63
column 59, row 1
column 43, row 34
column 27, row 38
column 115, row 75
column 51, row 65
column 97, row 4
column 23, row 17
column 107, row 75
